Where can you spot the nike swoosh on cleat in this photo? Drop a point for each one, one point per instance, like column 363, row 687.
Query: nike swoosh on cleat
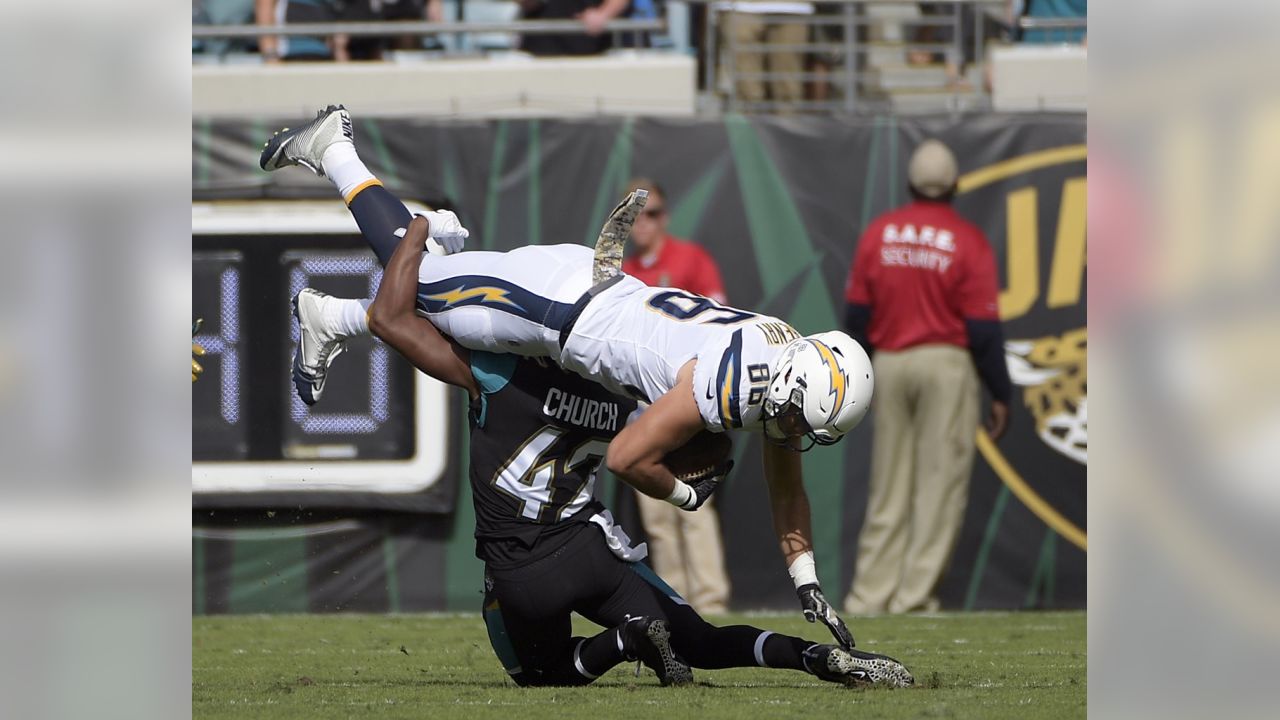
column 306, row 384
column 275, row 155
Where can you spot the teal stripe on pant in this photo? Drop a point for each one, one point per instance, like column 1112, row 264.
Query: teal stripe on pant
column 651, row 577
column 502, row 646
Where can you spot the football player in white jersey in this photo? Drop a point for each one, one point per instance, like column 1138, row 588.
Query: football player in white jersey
column 698, row 363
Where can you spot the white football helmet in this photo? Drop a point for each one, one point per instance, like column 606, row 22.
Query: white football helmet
column 821, row 388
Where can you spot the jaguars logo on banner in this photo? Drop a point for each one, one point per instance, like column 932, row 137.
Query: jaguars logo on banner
column 1033, row 209
column 1052, row 372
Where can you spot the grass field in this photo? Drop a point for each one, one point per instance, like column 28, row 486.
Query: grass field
column 981, row 665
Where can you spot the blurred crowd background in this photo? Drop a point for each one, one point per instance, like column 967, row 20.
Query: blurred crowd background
column 95, row 546
column 752, row 55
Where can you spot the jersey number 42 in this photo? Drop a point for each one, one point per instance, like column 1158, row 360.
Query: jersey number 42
column 546, row 464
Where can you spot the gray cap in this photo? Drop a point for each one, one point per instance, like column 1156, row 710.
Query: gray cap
column 932, row 170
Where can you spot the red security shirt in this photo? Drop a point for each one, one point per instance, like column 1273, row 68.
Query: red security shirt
column 923, row 269
column 681, row 265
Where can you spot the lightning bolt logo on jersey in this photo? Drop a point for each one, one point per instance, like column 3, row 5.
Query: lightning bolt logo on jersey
column 484, row 294
column 515, row 302
column 629, row 337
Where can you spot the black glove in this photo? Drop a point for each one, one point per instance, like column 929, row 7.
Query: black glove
column 816, row 608
column 705, row 484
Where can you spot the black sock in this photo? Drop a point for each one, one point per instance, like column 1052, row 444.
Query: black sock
column 599, row 654
column 379, row 214
column 784, row 651
column 709, row 647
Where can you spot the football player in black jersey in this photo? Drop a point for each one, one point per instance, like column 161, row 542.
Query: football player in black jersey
column 538, row 435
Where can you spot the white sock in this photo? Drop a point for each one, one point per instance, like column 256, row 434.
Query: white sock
column 345, row 169
column 347, row 317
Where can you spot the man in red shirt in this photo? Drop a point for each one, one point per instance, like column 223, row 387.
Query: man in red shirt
column 661, row 260
column 685, row 547
column 922, row 294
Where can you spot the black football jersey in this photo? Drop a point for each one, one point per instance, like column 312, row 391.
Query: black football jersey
column 538, row 438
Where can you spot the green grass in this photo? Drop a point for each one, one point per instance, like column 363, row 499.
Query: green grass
column 980, row 665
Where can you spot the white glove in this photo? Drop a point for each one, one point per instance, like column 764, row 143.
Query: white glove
column 446, row 231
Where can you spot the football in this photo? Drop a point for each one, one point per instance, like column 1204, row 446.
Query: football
column 704, row 451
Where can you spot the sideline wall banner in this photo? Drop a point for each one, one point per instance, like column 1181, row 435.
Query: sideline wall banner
column 779, row 203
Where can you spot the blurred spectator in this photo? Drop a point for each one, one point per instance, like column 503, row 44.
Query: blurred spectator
column 641, row 10
column 594, row 14
column 961, row 51
column 684, row 547
column 1050, row 9
column 410, row 11
column 829, row 60
column 922, row 294
column 370, row 48
column 660, row 259
column 339, row 47
column 220, row 12
column 747, row 22
column 275, row 48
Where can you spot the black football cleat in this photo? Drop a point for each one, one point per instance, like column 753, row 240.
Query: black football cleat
column 649, row 641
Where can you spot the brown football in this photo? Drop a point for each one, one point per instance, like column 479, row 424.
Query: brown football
column 704, row 451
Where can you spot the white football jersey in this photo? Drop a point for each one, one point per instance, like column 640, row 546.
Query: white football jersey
column 633, row 339
column 511, row 302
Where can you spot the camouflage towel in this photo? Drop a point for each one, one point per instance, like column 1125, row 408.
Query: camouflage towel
column 614, row 234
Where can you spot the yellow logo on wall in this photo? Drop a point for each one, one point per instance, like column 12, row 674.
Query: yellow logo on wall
column 1051, row 370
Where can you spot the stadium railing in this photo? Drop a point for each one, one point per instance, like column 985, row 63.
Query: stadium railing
column 854, row 57
column 621, row 29
column 856, row 54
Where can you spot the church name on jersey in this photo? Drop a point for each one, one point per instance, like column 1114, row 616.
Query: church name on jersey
column 778, row 333
column 577, row 410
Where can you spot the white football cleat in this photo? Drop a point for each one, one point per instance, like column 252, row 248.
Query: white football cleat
column 317, row 345
column 305, row 145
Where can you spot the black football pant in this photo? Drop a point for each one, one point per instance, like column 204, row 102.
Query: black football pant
column 527, row 611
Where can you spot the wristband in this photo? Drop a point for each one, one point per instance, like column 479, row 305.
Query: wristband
column 681, row 495
column 803, row 571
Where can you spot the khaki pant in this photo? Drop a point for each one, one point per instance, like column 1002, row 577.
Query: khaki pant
column 685, row 550
column 926, row 416
column 737, row 28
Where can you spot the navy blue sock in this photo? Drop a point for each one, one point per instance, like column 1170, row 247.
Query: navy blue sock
column 379, row 214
